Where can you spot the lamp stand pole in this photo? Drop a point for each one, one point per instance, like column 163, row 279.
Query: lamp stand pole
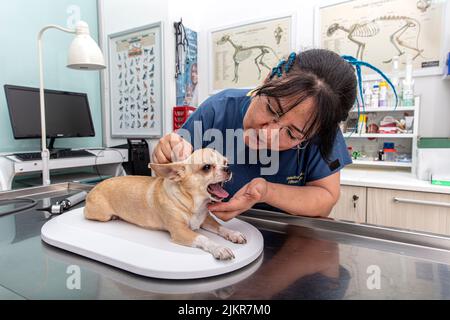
column 45, row 154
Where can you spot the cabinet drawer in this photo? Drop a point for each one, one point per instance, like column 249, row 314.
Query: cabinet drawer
column 419, row 211
column 351, row 205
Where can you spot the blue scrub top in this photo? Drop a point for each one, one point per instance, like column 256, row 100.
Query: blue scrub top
column 226, row 110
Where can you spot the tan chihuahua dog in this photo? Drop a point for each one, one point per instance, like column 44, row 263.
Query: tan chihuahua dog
column 175, row 201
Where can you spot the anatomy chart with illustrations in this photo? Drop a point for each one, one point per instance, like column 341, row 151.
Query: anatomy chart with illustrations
column 242, row 56
column 400, row 27
column 135, row 80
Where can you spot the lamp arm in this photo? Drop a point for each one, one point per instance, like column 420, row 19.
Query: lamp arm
column 54, row 26
column 45, row 155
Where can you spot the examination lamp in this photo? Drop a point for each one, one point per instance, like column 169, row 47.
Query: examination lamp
column 84, row 54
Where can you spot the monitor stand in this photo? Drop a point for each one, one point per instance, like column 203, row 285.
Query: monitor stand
column 54, row 150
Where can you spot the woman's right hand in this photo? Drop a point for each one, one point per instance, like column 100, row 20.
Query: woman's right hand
column 171, row 148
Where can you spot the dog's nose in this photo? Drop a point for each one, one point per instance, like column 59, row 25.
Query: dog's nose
column 226, row 170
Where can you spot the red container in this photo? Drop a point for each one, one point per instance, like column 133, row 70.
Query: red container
column 180, row 115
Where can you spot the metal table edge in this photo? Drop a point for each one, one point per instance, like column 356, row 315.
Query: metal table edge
column 410, row 237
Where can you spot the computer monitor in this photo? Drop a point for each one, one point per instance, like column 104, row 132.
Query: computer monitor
column 67, row 114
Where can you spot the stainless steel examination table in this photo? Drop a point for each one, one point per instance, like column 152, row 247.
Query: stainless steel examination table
column 303, row 258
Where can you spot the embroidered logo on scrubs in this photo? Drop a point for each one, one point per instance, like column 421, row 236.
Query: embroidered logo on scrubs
column 334, row 165
column 295, row 179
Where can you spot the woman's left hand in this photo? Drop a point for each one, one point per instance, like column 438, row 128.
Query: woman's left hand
column 253, row 192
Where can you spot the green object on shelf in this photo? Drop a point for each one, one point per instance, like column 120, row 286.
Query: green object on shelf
column 440, row 180
column 356, row 155
column 441, row 183
column 433, row 143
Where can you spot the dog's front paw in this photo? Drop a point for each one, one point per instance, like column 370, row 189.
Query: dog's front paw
column 222, row 253
column 233, row 236
column 224, row 293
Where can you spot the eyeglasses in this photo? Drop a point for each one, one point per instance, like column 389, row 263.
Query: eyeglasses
column 299, row 137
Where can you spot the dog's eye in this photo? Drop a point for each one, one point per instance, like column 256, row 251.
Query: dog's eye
column 206, row 167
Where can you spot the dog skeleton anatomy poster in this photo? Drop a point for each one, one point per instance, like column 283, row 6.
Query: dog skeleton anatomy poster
column 135, row 77
column 401, row 27
column 242, row 56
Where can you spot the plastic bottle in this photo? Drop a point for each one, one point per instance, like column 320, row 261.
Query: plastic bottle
column 395, row 79
column 382, row 100
column 381, row 155
column 389, row 151
column 350, row 151
column 408, row 84
column 367, row 96
column 362, row 123
column 375, row 96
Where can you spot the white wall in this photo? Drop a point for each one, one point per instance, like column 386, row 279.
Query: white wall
column 210, row 14
column 119, row 15
column 204, row 15
column 435, row 106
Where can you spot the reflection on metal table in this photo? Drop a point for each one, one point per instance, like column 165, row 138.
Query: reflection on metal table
column 303, row 258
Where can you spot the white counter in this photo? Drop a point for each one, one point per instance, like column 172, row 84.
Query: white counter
column 399, row 180
column 108, row 162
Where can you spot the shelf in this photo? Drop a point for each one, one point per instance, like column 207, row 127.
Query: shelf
column 80, row 177
column 377, row 139
column 382, row 163
column 378, row 135
column 384, row 109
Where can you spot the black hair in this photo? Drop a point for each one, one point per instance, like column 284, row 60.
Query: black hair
column 326, row 78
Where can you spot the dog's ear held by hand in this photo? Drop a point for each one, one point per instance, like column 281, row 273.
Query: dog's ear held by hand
column 174, row 171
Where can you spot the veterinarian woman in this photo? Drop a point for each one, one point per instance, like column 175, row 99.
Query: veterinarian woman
column 300, row 104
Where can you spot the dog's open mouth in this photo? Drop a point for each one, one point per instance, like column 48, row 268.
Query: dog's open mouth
column 217, row 192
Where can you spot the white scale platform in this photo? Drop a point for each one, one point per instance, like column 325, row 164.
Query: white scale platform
column 147, row 252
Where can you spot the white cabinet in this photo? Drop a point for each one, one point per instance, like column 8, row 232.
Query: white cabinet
column 351, row 205
column 419, row 211
column 406, row 141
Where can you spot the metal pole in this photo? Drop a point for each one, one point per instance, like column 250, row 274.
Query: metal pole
column 45, row 154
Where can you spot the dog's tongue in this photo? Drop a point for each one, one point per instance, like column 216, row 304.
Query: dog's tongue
column 218, row 191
